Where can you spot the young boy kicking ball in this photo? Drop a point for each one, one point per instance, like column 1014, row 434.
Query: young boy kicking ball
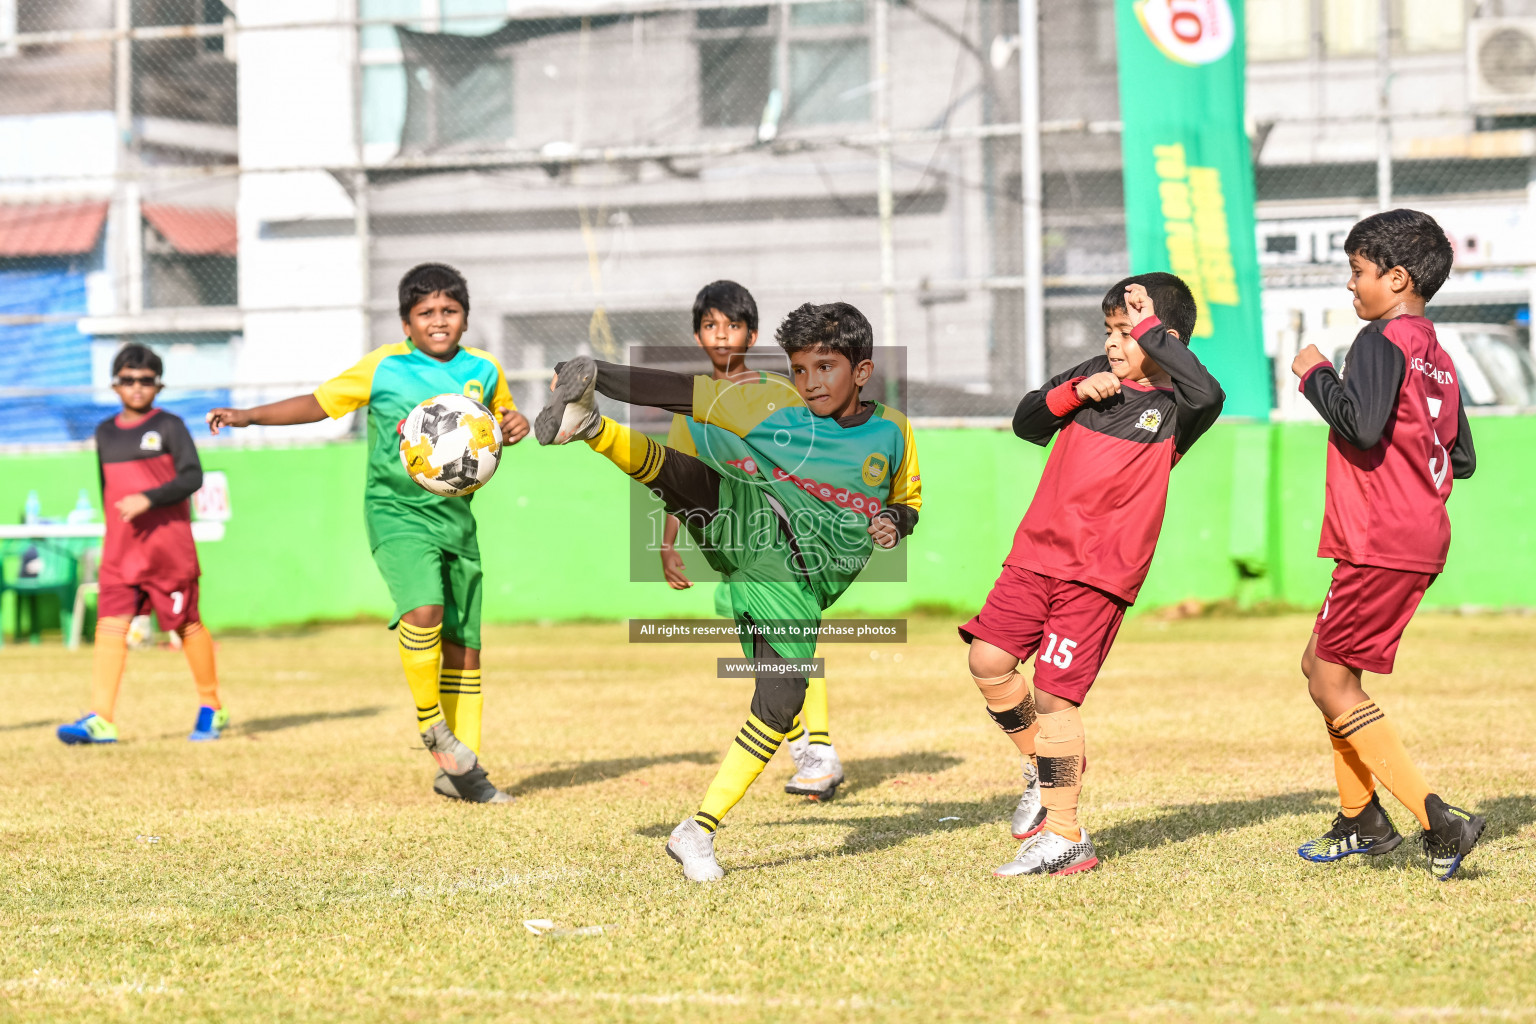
column 424, row 545
column 1082, row 551
column 828, row 476
column 725, row 327
column 1398, row 437
column 149, row 468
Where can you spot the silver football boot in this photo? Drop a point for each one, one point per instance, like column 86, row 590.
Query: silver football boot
column 694, row 849
column 1050, row 853
column 451, row 753
column 1029, row 815
column 819, row 775
column 571, row 414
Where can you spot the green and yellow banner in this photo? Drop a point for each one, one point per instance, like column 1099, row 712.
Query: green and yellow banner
column 1189, row 178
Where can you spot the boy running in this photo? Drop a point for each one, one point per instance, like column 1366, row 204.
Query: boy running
column 1082, row 551
column 149, row 468
column 1398, row 437
column 725, row 327
column 424, row 545
column 791, row 523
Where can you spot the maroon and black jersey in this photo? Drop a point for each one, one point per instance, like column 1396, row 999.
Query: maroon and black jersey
column 1098, row 510
column 155, row 456
column 1399, row 436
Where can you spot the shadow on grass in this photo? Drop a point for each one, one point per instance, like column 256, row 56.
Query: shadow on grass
column 869, row 772
column 19, row 726
column 276, row 723
column 1186, row 821
column 579, row 773
column 1507, row 815
column 1169, row 825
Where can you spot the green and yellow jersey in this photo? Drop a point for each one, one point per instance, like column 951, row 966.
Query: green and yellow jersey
column 391, row 381
column 803, row 488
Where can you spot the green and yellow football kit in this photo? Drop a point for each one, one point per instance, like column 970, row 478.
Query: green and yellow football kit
column 424, row 544
column 780, row 501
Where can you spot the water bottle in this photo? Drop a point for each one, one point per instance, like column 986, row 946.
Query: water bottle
column 83, row 512
column 34, row 511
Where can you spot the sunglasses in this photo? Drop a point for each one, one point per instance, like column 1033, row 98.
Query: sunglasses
column 128, row 380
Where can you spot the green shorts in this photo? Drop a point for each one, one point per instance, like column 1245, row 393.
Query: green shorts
column 419, row 573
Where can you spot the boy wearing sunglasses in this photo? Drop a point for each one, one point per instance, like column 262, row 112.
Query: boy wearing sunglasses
column 149, row 468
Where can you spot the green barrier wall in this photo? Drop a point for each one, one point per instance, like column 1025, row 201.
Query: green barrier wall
column 1242, row 522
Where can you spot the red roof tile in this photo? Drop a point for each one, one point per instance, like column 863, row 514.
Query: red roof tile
column 50, row 229
column 195, row 231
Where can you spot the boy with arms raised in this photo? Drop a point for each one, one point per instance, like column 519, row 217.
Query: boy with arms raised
column 725, row 327
column 424, row 545
column 1083, row 548
column 149, row 468
column 1398, row 437
column 791, row 524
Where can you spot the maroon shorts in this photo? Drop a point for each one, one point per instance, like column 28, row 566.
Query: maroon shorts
column 174, row 607
column 1072, row 625
column 1365, row 613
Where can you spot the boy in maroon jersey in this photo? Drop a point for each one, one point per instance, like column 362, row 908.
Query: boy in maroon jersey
column 1399, row 436
column 149, row 468
column 1082, row 551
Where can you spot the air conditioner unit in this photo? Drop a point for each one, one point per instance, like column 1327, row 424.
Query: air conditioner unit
column 1501, row 65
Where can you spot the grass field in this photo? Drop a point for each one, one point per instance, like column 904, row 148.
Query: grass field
column 302, row 869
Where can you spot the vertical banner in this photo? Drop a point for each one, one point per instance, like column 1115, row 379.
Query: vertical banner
column 1189, row 178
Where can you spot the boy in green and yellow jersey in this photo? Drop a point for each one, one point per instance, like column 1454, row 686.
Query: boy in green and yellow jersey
column 424, row 545
column 725, row 327
column 825, row 477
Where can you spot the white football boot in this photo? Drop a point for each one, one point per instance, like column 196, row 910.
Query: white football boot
column 819, row 775
column 1029, row 815
column 1050, row 853
column 571, row 414
column 694, row 849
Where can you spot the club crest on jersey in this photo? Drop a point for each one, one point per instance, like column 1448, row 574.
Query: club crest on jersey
column 150, row 442
column 874, row 468
column 474, row 389
column 1151, row 420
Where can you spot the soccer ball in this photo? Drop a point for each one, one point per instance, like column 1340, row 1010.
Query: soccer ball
column 450, row 445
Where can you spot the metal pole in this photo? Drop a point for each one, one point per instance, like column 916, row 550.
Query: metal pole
column 1031, row 193
column 1384, row 104
column 360, row 212
column 884, row 185
column 130, row 199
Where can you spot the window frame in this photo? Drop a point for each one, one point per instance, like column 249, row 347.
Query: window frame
column 785, row 34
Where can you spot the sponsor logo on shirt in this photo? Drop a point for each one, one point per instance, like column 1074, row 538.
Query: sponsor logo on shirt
column 1431, row 371
column 1151, row 420
column 476, row 390
column 874, row 468
column 842, row 497
column 150, row 442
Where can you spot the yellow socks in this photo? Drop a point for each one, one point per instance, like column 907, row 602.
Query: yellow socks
column 1060, row 757
column 1355, row 782
column 628, row 449
column 460, row 695
column 1012, row 707
column 815, row 715
column 420, row 648
column 197, row 646
column 744, row 762
column 1366, row 729
column 796, row 731
column 107, row 671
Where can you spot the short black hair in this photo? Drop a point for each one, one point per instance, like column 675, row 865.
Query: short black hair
column 729, row 298
column 134, row 356
column 1407, row 239
column 1171, row 298
column 424, row 279
column 836, row 327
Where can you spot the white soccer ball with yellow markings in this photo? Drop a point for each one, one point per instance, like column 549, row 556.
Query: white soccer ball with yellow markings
column 450, row 445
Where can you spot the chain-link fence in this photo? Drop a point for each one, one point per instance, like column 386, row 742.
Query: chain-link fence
column 241, row 185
